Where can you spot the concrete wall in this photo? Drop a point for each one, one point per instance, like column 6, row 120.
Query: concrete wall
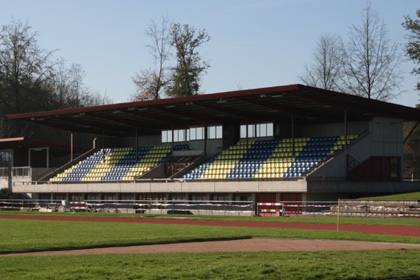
column 167, row 187
column 4, row 182
column 151, row 140
column 385, row 139
column 311, row 190
column 330, row 129
column 214, row 146
column 333, row 129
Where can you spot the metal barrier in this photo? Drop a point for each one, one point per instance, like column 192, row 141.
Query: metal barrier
column 296, row 208
column 224, row 208
column 32, row 205
column 78, row 206
column 348, row 208
column 192, row 207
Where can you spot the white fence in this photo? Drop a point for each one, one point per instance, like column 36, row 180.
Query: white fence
column 348, row 208
column 224, row 208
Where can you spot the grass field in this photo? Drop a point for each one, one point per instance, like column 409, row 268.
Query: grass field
column 269, row 265
column 29, row 235
column 402, row 196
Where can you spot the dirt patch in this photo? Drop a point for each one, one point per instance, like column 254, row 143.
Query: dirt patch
column 242, row 245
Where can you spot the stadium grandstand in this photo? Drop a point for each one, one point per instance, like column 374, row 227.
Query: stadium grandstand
column 284, row 143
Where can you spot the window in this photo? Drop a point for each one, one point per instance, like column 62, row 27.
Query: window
column 166, row 136
column 196, row 133
column 193, row 133
column 6, row 158
column 179, row 135
column 264, row 129
column 257, row 130
column 214, row 132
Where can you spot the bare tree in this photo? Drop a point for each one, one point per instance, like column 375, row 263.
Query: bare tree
column 67, row 85
column 25, row 69
column 93, row 98
column 371, row 60
column 149, row 83
column 412, row 48
column 326, row 69
column 70, row 90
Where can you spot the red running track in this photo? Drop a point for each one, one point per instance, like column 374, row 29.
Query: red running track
column 371, row 229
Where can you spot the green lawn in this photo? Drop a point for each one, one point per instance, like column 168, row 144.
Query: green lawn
column 268, row 265
column 30, row 235
column 402, row 196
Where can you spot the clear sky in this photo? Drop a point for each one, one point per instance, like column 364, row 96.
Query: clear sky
column 254, row 43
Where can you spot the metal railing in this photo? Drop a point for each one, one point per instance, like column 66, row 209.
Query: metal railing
column 224, row 208
column 24, row 171
column 348, row 208
column 192, row 207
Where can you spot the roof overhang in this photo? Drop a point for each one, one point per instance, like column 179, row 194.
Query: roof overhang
column 27, row 143
column 279, row 104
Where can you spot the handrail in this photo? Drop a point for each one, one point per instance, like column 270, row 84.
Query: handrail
column 14, row 171
column 68, row 164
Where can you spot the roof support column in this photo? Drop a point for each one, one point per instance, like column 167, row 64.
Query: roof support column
column 173, row 137
column 103, row 139
column 246, row 137
column 137, row 144
column 48, row 156
column 345, row 129
column 71, row 146
column 205, row 139
column 293, row 135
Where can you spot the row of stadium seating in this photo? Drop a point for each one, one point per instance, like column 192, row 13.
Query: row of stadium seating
column 285, row 158
column 118, row 164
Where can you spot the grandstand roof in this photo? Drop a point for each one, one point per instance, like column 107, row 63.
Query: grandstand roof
column 18, row 142
column 279, row 104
